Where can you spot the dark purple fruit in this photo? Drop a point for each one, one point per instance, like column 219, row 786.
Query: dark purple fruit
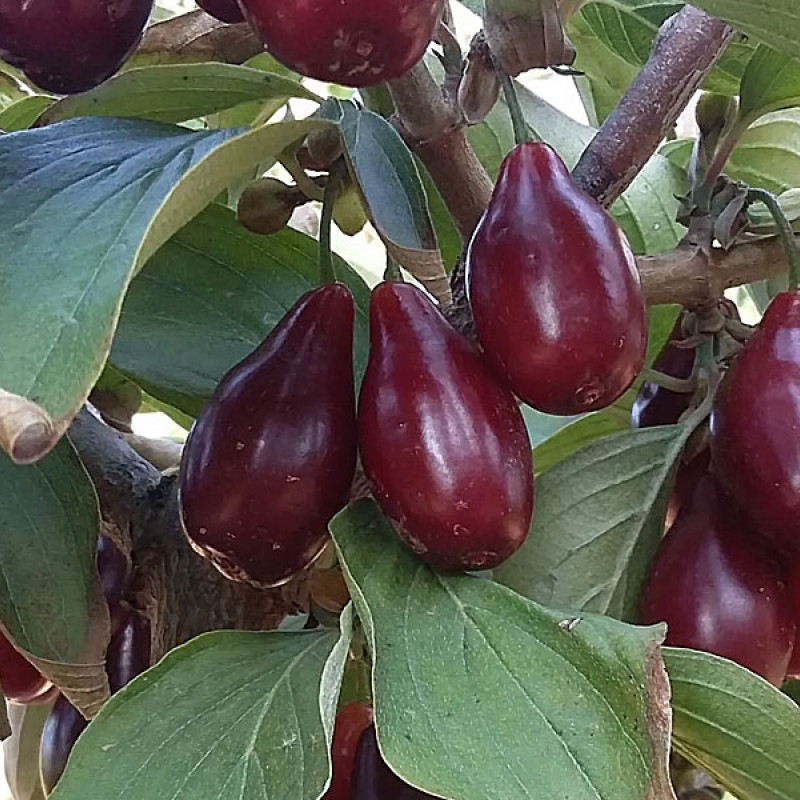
column 755, row 422
column 554, row 289
column 224, row 10
column 271, row 458
column 372, row 778
column 61, row 730
column 351, row 42
column 68, row 46
column 443, row 445
column 112, row 567
column 20, row 681
column 655, row 405
column 129, row 649
column 720, row 588
column 351, row 722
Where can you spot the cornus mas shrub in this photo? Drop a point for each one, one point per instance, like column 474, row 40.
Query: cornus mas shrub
column 510, row 511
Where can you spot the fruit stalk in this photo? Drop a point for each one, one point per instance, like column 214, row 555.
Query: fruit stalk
column 785, row 232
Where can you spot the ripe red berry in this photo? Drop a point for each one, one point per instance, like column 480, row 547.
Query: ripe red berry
column 351, row 721
column 61, row 730
column 21, row 682
column 372, row 778
column 554, row 289
column 443, row 445
column 350, row 42
column 655, row 405
column 754, row 422
column 720, row 589
column 68, row 46
column 271, row 458
column 224, row 10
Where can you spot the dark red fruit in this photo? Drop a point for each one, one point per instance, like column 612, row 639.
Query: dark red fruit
column 372, row 778
column 554, row 289
column 720, row 589
column 68, row 46
column 61, row 730
column 793, row 670
column 350, row 42
column 443, row 445
column 129, row 650
column 755, row 421
column 21, row 682
column 688, row 475
column 351, row 721
column 655, row 405
column 224, row 10
column 112, row 567
column 271, row 458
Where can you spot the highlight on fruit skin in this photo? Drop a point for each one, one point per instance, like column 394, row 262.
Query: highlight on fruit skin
column 350, row 42
column 554, row 289
column 70, row 46
column 443, row 445
column 271, row 457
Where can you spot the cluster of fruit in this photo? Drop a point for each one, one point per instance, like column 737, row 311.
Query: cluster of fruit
column 359, row 771
column 726, row 577
column 72, row 46
column 272, row 456
column 128, row 655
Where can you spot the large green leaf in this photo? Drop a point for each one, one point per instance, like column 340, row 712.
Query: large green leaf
column 49, row 523
column 738, row 727
column 230, row 715
column 774, row 22
column 481, row 694
column 23, row 113
column 208, row 297
column 771, row 82
column 599, row 517
column 177, row 92
column 83, row 205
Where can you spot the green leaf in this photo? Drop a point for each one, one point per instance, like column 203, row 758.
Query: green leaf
column 599, row 517
column 83, row 205
column 209, row 297
column 49, row 524
column 23, row 113
column 21, row 751
column 229, row 715
column 732, row 723
column 481, row 694
column 177, row 92
column 774, row 22
column 771, row 82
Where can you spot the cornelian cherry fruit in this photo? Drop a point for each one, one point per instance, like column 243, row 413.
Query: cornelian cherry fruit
column 720, row 588
column 554, row 289
column 350, row 42
column 21, row 682
column 272, row 455
column 442, row 443
column 756, row 454
column 351, row 721
column 224, row 10
column 63, row 726
column 69, row 46
column 793, row 576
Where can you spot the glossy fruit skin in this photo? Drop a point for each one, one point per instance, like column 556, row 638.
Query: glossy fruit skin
column 112, row 568
column 21, row 682
column 655, row 405
column 372, row 778
column 793, row 579
column 442, row 443
column 720, row 588
column 351, row 722
column 554, row 289
column 349, row 42
column 224, row 10
column 128, row 652
column 754, row 421
column 69, row 46
column 278, row 441
column 63, row 726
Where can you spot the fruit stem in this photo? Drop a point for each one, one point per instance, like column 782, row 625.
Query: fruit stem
column 392, row 271
column 518, row 123
column 669, row 382
column 332, row 187
column 784, row 231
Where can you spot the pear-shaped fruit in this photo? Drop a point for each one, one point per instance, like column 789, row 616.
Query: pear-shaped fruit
column 271, row 457
column 554, row 289
column 755, row 423
column 719, row 587
column 443, row 444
